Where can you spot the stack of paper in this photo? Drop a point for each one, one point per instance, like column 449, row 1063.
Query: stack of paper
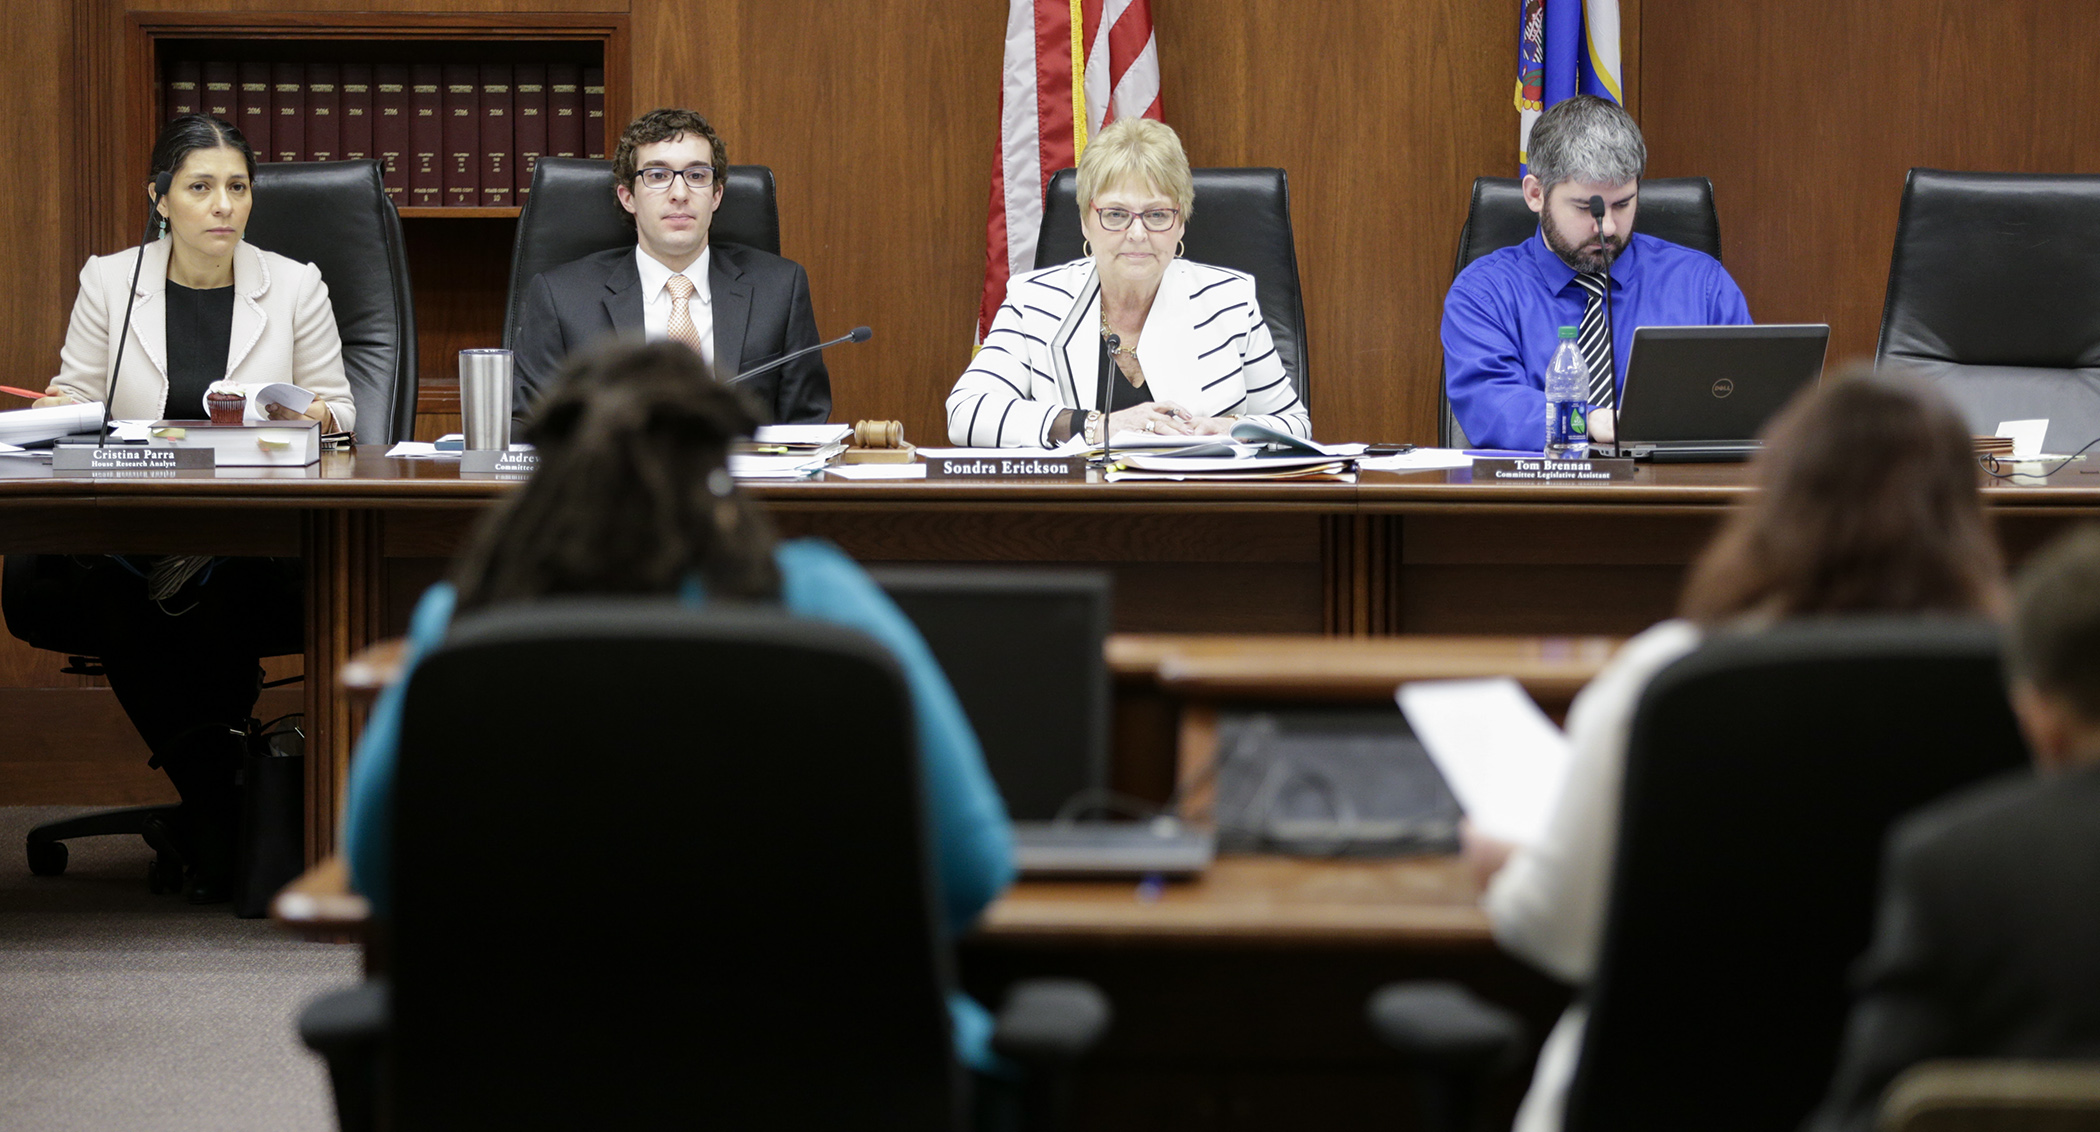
column 817, row 441
column 747, row 466
column 1241, row 467
column 32, row 426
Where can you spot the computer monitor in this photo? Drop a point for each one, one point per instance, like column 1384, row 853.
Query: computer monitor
column 1023, row 649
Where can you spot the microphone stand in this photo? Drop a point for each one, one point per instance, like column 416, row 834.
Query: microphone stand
column 109, row 394
column 1102, row 395
column 857, row 334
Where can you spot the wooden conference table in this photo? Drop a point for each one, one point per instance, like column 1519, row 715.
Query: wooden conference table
column 1415, row 553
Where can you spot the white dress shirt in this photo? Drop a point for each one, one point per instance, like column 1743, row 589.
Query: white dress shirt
column 656, row 299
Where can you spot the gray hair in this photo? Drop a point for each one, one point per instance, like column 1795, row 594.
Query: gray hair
column 1586, row 138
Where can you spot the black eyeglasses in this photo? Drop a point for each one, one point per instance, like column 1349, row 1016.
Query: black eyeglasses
column 657, row 178
column 1156, row 220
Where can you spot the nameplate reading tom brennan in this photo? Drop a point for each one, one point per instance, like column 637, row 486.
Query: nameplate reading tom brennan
column 1543, row 470
column 1006, row 467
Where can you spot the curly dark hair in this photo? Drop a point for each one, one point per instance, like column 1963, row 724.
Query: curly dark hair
column 1868, row 503
column 660, row 125
column 633, row 494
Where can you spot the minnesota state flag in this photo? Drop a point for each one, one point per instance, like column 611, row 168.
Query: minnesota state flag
column 1564, row 48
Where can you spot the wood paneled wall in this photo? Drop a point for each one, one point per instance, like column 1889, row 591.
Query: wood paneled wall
column 1808, row 113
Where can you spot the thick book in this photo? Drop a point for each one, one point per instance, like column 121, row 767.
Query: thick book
column 357, row 111
column 594, row 111
column 185, row 88
column 497, row 176
column 390, row 127
column 220, row 94
column 255, row 107
column 324, row 110
column 288, row 123
column 426, row 135
column 462, row 140
column 564, row 110
column 528, row 100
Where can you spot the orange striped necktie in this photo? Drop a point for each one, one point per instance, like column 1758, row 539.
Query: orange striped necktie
column 681, row 325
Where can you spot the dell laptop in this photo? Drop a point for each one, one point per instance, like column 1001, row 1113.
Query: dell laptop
column 1705, row 393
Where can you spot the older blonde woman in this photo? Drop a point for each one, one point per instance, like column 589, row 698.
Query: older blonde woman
column 1191, row 354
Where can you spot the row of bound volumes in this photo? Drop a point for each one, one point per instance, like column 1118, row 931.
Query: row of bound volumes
column 458, row 135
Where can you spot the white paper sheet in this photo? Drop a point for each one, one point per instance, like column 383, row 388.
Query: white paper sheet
column 28, row 426
column 262, row 396
column 992, row 453
column 879, row 471
column 1419, row 460
column 1504, row 760
column 748, row 467
column 815, row 435
column 2026, row 436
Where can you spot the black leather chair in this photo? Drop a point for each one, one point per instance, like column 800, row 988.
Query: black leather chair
column 761, row 947
column 335, row 215
column 572, row 213
column 1991, row 297
column 1762, row 774
column 1242, row 221
column 1677, row 209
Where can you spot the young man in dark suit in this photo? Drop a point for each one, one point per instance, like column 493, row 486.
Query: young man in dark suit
column 738, row 307
column 1987, row 942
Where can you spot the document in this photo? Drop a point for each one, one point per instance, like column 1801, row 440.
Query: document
column 879, row 471
column 1503, row 759
column 31, row 426
column 1419, row 460
column 262, row 396
column 2025, row 435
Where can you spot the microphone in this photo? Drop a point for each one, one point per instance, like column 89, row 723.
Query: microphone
column 1611, row 341
column 857, row 334
column 109, row 393
column 1110, row 345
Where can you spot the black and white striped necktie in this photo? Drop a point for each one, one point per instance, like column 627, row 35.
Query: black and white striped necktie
column 1595, row 342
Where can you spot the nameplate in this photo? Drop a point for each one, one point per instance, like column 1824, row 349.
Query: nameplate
column 1006, row 467
column 1544, row 470
column 487, row 461
column 132, row 458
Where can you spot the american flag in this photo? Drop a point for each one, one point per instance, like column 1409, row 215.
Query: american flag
column 1072, row 67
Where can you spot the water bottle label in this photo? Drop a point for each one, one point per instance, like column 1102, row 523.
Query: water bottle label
column 1567, row 422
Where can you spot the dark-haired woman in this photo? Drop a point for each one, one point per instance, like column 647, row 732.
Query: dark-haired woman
column 633, row 497
column 181, row 635
column 1868, row 504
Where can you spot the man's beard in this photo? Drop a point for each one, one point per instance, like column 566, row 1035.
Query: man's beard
column 1570, row 251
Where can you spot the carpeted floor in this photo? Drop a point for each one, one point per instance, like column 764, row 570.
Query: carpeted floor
column 124, row 1010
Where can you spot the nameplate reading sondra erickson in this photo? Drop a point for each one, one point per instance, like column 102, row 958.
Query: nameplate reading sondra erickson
column 1006, row 467
column 1544, row 470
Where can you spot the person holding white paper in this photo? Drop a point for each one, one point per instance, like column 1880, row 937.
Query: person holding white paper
column 1868, row 504
column 208, row 306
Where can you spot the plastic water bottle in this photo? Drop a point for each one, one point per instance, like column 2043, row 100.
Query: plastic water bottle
column 1567, row 400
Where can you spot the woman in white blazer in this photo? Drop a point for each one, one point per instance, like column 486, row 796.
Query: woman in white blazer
column 1191, row 353
column 208, row 305
column 180, row 636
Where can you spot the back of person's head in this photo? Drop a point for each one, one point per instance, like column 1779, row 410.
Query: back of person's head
column 633, row 494
column 1585, row 138
column 1867, row 503
column 2054, row 644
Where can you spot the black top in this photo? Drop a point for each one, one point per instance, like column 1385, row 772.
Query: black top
column 1121, row 394
column 200, row 332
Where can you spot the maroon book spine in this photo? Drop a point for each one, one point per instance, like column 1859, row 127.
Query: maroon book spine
column 528, row 100
column 357, row 111
column 564, row 110
column 594, row 111
column 426, row 136
column 390, row 131
column 185, row 89
column 288, row 124
column 255, row 108
column 496, row 136
column 462, row 136
column 324, row 112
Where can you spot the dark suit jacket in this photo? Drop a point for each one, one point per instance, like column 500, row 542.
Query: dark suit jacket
column 761, row 309
column 1987, row 943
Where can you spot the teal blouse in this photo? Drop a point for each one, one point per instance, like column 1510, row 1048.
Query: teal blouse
column 972, row 839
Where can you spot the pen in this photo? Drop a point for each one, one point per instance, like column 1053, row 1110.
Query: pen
column 20, row 392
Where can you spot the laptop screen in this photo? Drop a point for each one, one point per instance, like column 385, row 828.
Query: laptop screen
column 1714, row 383
column 1023, row 650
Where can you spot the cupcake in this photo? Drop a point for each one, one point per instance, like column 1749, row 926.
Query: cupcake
column 227, row 402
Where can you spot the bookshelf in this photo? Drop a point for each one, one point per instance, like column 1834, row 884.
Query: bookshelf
column 459, row 254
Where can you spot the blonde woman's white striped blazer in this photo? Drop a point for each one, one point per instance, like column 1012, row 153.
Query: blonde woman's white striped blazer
column 1205, row 347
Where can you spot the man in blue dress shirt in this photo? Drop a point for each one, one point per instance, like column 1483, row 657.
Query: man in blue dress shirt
column 1504, row 312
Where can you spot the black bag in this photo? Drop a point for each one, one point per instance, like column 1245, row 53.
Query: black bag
column 1329, row 783
column 272, row 846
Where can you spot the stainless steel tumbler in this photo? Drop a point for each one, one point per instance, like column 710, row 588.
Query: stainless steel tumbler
column 484, row 398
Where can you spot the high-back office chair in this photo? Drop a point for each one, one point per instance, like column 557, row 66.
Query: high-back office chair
column 1242, row 221
column 1994, row 1096
column 761, row 947
column 1677, row 209
column 1991, row 297
column 335, row 215
column 1762, row 773
column 572, row 213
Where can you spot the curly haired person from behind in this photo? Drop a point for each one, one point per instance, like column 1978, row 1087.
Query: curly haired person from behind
column 633, row 497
